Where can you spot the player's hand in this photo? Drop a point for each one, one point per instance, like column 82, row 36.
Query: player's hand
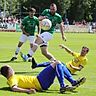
column 45, row 17
column 64, row 38
column 27, row 34
column 31, row 91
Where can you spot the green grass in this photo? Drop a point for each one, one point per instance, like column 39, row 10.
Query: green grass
column 9, row 41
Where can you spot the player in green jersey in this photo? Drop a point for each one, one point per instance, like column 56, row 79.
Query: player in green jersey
column 28, row 31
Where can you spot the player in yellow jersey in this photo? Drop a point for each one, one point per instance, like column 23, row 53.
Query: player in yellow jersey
column 76, row 64
column 31, row 84
column 79, row 60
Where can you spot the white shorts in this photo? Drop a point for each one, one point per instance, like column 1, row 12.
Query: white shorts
column 46, row 36
column 24, row 38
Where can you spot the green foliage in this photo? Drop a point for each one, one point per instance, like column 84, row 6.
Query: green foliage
column 73, row 9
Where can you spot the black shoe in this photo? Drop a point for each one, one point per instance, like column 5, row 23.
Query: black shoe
column 66, row 88
column 34, row 64
column 79, row 82
column 13, row 58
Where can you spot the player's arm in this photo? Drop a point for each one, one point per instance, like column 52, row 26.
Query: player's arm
column 38, row 29
column 18, row 89
column 66, row 49
column 42, row 17
column 62, row 31
column 23, row 30
column 76, row 68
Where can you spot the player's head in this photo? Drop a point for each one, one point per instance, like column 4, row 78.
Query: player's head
column 31, row 11
column 84, row 50
column 6, row 71
column 53, row 8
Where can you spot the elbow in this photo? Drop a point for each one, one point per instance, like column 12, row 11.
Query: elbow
column 13, row 89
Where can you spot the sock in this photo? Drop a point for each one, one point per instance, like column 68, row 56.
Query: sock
column 44, row 64
column 60, row 75
column 31, row 52
column 16, row 52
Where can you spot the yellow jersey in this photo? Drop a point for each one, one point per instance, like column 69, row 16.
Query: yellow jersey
column 24, row 82
column 77, row 61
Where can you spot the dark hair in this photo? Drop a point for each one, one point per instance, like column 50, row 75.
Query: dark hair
column 86, row 48
column 4, row 71
column 31, row 9
column 52, row 4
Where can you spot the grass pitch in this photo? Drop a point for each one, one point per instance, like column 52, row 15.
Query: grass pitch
column 9, row 41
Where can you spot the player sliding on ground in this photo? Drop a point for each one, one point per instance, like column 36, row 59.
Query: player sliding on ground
column 76, row 64
column 31, row 84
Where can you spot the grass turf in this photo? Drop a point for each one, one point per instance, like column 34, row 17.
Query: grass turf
column 9, row 41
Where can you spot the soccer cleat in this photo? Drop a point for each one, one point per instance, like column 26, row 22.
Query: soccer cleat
column 34, row 64
column 13, row 58
column 79, row 82
column 66, row 88
column 24, row 57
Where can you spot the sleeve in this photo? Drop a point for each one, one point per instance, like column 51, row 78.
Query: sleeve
column 60, row 19
column 37, row 22
column 12, row 82
column 24, row 22
column 44, row 12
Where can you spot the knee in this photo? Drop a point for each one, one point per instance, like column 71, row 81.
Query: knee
column 57, row 62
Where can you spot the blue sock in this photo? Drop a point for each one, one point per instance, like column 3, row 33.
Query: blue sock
column 60, row 75
column 44, row 64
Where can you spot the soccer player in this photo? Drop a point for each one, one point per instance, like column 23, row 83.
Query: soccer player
column 76, row 64
column 47, row 35
column 28, row 31
column 31, row 84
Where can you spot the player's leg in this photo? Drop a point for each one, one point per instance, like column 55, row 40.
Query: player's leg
column 35, row 45
column 46, row 77
column 35, row 64
column 60, row 75
column 67, row 74
column 42, row 38
column 23, row 39
column 29, row 55
column 44, row 51
column 69, row 77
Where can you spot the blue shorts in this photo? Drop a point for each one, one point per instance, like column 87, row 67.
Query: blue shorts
column 46, row 77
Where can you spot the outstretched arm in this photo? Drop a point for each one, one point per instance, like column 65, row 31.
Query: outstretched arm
column 66, row 49
column 18, row 89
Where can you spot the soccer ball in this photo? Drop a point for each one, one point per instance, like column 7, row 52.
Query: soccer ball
column 46, row 24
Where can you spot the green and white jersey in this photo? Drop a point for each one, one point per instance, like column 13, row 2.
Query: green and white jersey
column 29, row 24
column 55, row 19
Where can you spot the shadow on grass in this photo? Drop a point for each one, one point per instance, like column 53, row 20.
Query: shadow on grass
column 57, row 91
column 8, row 61
column 5, row 88
column 27, row 72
